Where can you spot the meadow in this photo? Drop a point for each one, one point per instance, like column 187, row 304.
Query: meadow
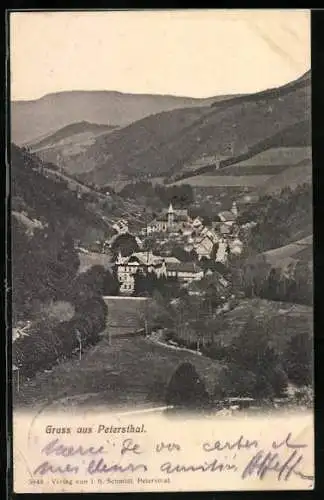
column 225, row 180
column 128, row 373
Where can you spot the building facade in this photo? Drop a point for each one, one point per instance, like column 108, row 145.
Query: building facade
column 146, row 262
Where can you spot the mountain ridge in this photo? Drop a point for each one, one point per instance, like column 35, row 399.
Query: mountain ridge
column 33, row 118
column 168, row 143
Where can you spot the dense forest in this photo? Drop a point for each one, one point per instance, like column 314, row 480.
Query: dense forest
column 280, row 219
column 48, row 290
column 159, row 196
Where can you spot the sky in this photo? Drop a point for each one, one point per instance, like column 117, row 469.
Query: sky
column 197, row 53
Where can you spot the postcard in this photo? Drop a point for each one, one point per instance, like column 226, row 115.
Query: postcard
column 162, row 269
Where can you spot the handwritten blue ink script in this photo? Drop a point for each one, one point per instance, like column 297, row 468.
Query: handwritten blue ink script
column 283, row 458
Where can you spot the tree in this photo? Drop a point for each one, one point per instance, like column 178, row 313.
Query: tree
column 214, row 292
column 304, row 282
column 126, row 244
column 110, row 283
column 298, row 357
column 186, row 389
column 181, row 254
column 214, row 251
column 90, row 282
column 156, row 313
column 253, row 352
column 145, row 283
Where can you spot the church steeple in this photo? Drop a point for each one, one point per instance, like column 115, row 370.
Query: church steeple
column 234, row 209
column 170, row 215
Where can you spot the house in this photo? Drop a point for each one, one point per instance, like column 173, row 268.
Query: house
column 127, row 268
column 210, row 233
column 225, row 229
column 204, row 242
column 236, row 246
column 144, row 262
column 228, row 217
column 171, row 260
column 121, row 226
column 197, row 222
column 222, row 252
column 204, row 247
column 186, row 272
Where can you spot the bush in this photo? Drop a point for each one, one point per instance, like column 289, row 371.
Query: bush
column 304, row 397
column 235, row 382
column 37, row 351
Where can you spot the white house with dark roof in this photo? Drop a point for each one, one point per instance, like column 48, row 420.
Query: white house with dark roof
column 127, row 268
column 145, row 262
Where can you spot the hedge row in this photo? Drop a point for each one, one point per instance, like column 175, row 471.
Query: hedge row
column 45, row 346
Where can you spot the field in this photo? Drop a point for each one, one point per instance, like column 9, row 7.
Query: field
column 278, row 156
column 224, row 180
column 127, row 373
column 125, row 315
column 243, row 170
column 269, row 162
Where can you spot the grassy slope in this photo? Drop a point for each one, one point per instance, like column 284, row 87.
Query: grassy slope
column 225, row 180
column 275, row 156
column 125, row 315
column 129, row 372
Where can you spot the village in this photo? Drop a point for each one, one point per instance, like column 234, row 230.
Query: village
column 174, row 228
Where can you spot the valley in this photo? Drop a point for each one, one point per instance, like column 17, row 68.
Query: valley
column 173, row 232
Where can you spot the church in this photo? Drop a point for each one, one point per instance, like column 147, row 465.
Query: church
column 170, row 221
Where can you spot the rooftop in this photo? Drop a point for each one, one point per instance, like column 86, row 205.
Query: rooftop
column 186, row 267
column 227, row 215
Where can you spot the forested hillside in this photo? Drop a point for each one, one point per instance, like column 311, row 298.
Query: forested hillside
column 56, row 306
column 280, row 219
column 170, row 143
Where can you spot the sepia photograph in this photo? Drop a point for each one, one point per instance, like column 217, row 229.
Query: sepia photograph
column 162, row 248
